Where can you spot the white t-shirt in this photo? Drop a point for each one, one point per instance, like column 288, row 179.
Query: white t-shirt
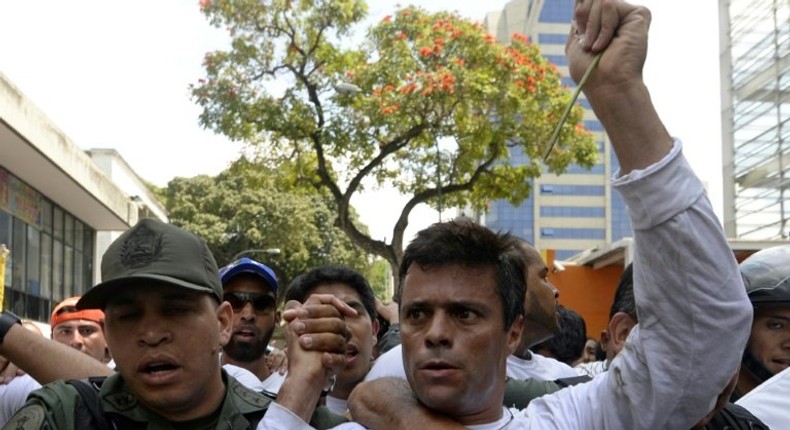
column 770, row 401
column 538, row 367
column 13, row 396
column 388, row 365
column 270, row 385
column 336, row 406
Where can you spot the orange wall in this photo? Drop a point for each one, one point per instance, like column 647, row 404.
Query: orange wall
column 588, row 292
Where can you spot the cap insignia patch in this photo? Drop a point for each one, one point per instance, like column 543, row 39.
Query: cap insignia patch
column 142, row 247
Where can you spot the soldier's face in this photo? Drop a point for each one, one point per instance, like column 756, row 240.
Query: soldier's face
column 166, row 342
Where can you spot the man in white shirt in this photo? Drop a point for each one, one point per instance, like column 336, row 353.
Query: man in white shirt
column 687, row 286
column 351, row 287
column 540, row 323
column 251, row 289
column 14, row 394
column 80, row 330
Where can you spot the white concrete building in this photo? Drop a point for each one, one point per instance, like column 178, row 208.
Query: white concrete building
column 55, row 201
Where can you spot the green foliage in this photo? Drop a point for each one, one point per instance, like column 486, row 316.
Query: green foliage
column 422, row 78
column 243, row 208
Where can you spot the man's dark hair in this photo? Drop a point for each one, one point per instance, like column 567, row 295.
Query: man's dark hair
column 464, row 242
column 624, row 294
column 302, row 286
column 566, row 346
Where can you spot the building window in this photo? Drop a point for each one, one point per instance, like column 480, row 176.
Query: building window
column 598, row 169
column 572, row 190
column 57, row 270
column 57, row 223
column 572, row 211
column 573, row 233
column 593, row 125
column 557, row 12
column 46, row 265
column 555, row 39
column 5, row 238
column 33, row 261
column 18, row 254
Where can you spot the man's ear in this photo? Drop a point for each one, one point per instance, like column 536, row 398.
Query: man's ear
column 514, row 334
column 620, row 326
column 225, row 321
column 376, row 327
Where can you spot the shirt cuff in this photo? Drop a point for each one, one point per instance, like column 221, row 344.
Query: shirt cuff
column 278, row 417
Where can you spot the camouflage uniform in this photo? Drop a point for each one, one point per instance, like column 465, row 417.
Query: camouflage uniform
column 54, row 406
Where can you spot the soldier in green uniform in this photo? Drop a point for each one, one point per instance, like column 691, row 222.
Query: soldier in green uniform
column 165, row 323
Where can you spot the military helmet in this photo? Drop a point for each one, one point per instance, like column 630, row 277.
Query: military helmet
column 766, row 275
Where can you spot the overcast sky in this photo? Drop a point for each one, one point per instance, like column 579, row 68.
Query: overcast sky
column 114, row 74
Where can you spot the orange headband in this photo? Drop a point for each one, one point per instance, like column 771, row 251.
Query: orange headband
column 94, row 315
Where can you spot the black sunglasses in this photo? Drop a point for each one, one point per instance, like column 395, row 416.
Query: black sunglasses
column 260, row 302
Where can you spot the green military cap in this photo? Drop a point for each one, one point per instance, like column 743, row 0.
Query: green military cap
column 153, row 250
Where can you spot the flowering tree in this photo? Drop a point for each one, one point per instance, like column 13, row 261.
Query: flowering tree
column 375, row 114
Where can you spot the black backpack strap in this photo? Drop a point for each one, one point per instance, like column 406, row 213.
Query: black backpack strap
column 573, row 380
column 89, row 414
column 735, row 417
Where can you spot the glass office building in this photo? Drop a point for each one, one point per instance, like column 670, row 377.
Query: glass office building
column 577, row 210
column 755, row 85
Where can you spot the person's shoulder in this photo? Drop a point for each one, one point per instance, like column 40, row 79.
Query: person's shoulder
column 244, row 376
column 519, row 392
column 55, row 392
column 389, row 364
column 539, row 367
column 552, row 368
column 245, row 396
column 32, row 416
column 52, row 405
column 272, row 384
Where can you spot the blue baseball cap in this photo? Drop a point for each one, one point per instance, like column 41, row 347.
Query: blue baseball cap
column 248, row 265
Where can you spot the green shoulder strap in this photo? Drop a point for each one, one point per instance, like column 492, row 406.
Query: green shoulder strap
column 519, row 393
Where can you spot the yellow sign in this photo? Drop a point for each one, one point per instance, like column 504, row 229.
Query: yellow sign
column 20, row 199
column 3, row 256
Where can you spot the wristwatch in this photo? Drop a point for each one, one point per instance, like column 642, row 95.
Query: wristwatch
column 7, row 320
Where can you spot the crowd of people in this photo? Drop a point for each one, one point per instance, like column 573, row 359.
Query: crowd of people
column 475, row 339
